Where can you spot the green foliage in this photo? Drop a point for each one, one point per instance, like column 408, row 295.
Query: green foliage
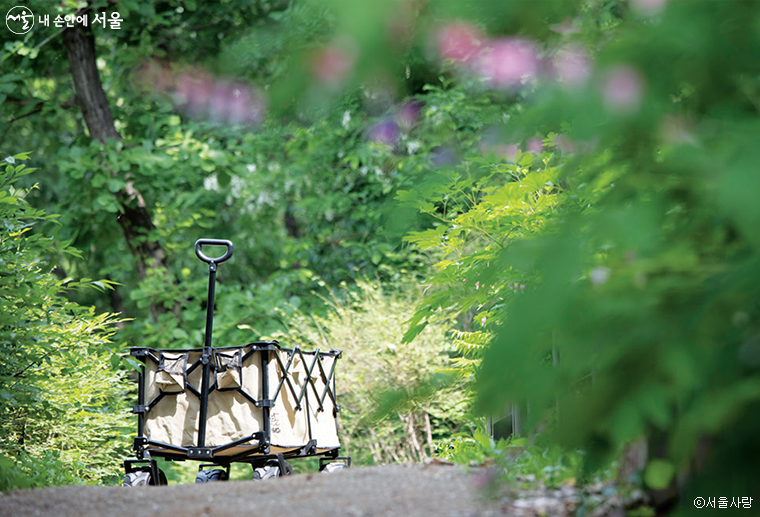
column 520, row 463
column 60, row 417
column 608, row 280
column 377, row 371
column 640, row 268
column 484, row 207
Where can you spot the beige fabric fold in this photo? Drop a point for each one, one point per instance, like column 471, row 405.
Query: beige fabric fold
column 170, row 377
column 228, row 369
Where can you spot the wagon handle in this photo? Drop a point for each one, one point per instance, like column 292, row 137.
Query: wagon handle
column 213, row 242
column 207, row 350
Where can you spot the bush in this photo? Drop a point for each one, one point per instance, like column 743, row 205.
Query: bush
column 389, row 412
column 61, row 419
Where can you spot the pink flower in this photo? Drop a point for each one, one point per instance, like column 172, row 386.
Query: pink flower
column 564, row 144
column 535, row 145
column 407, row 114
column 384, row 133
column 244, row 106
column 198, row 94
column 193, row 92
column 507, row 62
column 458, row 41
column 333, row 64
column 572, row 66
column 623, row 89
column 508, row 152
column 218, row 107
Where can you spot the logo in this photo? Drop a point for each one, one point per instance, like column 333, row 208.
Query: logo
column 19, row 19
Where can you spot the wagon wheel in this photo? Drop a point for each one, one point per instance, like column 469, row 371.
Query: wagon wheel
column 207, row 476
column 143, row 478
column 334, row 467
column 271, row 470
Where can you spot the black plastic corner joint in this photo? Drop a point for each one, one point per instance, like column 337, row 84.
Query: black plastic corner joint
column 140, row 408
column 138, row 352
column 336, row 410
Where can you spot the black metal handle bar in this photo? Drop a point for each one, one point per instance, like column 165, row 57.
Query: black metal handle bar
column 213, row 242
column 206, row 356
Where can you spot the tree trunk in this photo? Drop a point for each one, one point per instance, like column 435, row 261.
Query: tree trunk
column 134, row 219
column 80, row 47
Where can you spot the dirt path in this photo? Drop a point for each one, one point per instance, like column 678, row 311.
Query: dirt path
column 394, row 490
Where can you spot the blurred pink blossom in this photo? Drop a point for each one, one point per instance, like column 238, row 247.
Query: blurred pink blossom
column 507, row 61
column 385, row 133
column 535, row 145
column 648, row 6
column 564, row 144
column 244, row 106
column 408, row 114
column 459, row 41
column 333, row 64
column 198, row 94
column 193, row 92
column 623, row 89
column 218, row 107
column 572, row 66
column 567, row 145
column 508, row 152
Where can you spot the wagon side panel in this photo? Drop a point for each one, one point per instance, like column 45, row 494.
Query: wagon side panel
column 231, row 415
column 289, row 425
column 322, row 411
column 174, row 419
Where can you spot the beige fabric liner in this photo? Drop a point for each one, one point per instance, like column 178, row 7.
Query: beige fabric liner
column 171, row 379
column 230, row 417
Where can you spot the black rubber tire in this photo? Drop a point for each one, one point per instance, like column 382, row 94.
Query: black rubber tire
column 143, row 478
column 138, row 478
column 161, row 478
column 334, row 467
column 208, row 476
column 271, row 470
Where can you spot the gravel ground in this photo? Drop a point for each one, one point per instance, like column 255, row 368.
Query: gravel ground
column 393, row 490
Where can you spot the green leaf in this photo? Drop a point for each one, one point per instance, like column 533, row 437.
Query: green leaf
column 180, row 334
column 658, row 474
column 99, row 180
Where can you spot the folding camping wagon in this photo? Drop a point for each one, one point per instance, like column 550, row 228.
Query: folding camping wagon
column 258, row 403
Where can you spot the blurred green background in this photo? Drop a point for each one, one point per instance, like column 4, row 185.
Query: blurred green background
column 542, row 209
